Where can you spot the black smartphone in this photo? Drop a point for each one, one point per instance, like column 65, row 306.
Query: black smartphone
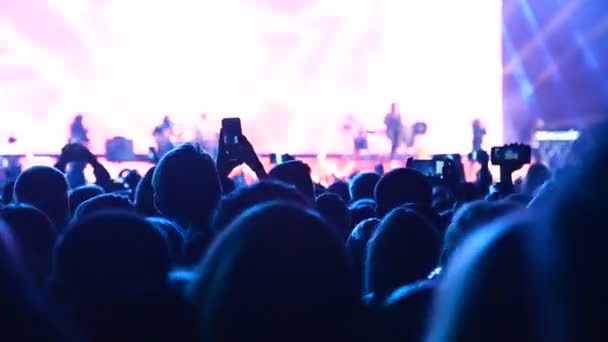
column 520, row 154
column 430, row 168
column 232, row 131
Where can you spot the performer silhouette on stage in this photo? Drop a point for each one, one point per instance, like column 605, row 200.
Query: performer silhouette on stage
column 478, row 132
column 78, row 133
column 394, row 128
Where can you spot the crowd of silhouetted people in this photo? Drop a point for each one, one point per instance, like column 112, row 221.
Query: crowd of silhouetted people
column 185, row 253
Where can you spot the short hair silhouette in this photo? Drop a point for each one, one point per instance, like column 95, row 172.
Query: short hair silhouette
column 341, row 189
column 25, row 316
column 356, row 247
column 105, row 202
column 187, row 186
column 402, row 186
column 80, row 194
column 238, row 201
column 140, row 314
column 406, row 312
column 361, row 210
column 488, row 292
column 404, row 249
column 173, row 234
column 35, row 234
column 277, row 273
column 362, row 185
column 45, row 188
column 109, row 250
column 537, row 175
column 334, row 210
column 295, row 173
column 144, row 195
column 469, row 218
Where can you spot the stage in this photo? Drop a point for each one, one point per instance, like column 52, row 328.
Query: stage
column 294, row 71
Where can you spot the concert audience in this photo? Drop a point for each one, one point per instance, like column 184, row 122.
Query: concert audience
column 362, row 185
column 393, row 257
column 277, row 273
column 81, row 194
column 45, row 188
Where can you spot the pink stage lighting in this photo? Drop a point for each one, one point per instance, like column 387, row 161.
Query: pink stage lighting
column 292, row 70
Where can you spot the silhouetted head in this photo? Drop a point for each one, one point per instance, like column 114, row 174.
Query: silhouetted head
column 468, row 219
column 7, row 193
column 25, row 316
column 520, row 199
column 333, row 209
column 276, row 274
column 46, row 189
column 158, row 314
column 489, row 293
column 187, row 186
column 35, row 235
column 173, row 234
column 404, row 249
column 109, row 250
column 235, row 203
column 577, row 229
column 537, row 175
column 405, row 314
column 105, row 202
column 356, row 247
column 362, row 210
column 79, row 195
column 295, row 173
column 341, row 189
column 402, row 186
column 362, row 185
column 394, row 107
column 144, row 195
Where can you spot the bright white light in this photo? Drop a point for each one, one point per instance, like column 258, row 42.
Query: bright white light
column 292, row 74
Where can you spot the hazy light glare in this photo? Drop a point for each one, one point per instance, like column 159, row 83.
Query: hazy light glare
column 292, row 74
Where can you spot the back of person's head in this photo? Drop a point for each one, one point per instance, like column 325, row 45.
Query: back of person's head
column 7, row 193
column 333, row 209
column 341, row 189
column 234, row 204
column 362, row 185
column 35, row 235
column 173, row 234
column 277, row 273
column 46, row 189
column 187, row 186
column 295, row 173
column 490, row 291
column 577, row 230
column 469, row 218
column 79, row 195
column 144, row 195
column 25, row 315
column 537, row 175
column 158, row 314
column 109, row 250
column 103, row 202
column 402, row 186
column 521, row 199
column 362, row 210
column 356, row 247
column 404, row 249
column 405, row 314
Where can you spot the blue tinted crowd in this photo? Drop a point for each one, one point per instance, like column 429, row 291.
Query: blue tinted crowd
column 189, row 255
